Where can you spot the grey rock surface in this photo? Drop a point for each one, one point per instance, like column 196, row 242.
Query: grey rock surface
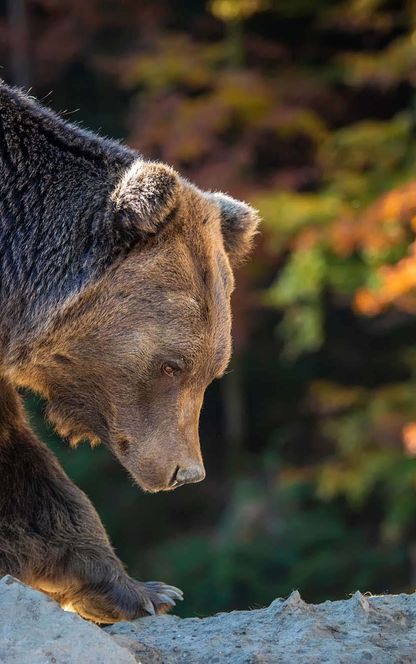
column 35, row 630
column 360, row 630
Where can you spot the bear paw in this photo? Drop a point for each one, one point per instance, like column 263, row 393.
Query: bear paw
column 122, row 600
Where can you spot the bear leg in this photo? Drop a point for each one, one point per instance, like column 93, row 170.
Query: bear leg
column 51, row 536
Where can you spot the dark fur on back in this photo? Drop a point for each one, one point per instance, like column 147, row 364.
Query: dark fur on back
column 56, row 226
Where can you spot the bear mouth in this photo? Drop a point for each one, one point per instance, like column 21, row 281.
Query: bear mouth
column 163, row 489
column 171, row 485
column 174, row 486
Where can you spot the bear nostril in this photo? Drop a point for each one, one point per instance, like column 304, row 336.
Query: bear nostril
column 190, row 474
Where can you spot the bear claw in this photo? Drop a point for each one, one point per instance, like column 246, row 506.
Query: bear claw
column 148, row 606
column 170, row 591
column 166, row 600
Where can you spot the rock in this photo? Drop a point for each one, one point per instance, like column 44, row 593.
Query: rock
column 142, row 653
column 360, row 630
column 35, row 630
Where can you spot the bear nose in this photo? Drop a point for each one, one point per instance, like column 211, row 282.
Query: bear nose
column 190, row 474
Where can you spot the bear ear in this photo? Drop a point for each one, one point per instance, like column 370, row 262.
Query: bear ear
column 143, row 200
column 239, row 223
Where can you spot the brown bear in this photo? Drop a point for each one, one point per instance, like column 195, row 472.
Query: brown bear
column 115, row 284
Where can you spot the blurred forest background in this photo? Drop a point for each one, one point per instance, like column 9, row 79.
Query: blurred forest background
column 307, row 109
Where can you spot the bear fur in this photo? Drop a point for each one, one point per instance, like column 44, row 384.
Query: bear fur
column 115, row 284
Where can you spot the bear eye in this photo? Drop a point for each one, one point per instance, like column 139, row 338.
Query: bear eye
column 171, row 369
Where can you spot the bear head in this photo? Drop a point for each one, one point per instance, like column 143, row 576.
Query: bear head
column 126, row 362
